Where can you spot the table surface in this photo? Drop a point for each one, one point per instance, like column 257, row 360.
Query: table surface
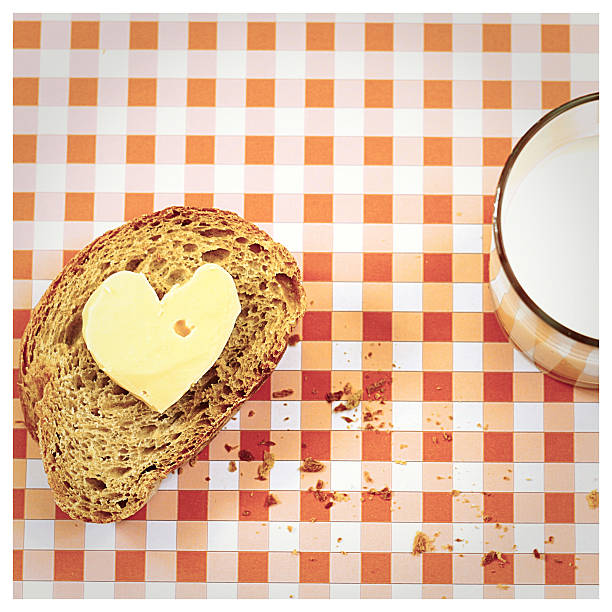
column 370, row 145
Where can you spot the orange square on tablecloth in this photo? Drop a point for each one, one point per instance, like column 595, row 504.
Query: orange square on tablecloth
column 140, row 149
column 81, row 149
column 83, row 92
column 25, row 91
column 437, row 208
column 378, row 93
column 26, row 34
column 500, row 572
column 143, row 34
column 259, row 207
column 499, row 507
column 318, row 150
column 318, row 208
column 438, row 37
column 200, row 149
column 559, row 507
column 68, row 565
column 555, row 38
column 137, row 204
column 379, row 37
column 23, row 206
column 378, row 150
column 496, row 37
column 377, row 267
column 317, row 267
column 84, row 34
column 201, row 92
column 17, row 564
column 260, row 92
column 375, row 509
column 319, row 93
column 436, row 447
column 312, row 508
column 496, row 94
column 142, row 92
column 320, row 36
column 202, row 35
column 438, row 386
column 437, row 568
column 252, row 566
column 377, row 208
column 558, row 446
column 24, row 148
column 129, row 565
column 498, row 446
column 200, row 200
column 191, row 566
column 438, row 151
column 375, row 568
column 555, row 93
column 438, row 94
column 560, row 568
column 314, row 567
column 437, row 507
column 79, row 206
column 376, row 445
column 22, row 265
column 495, row 151
column 261, row 36
column 259, row 149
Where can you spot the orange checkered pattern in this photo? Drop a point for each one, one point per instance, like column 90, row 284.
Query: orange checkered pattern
column 370, row 145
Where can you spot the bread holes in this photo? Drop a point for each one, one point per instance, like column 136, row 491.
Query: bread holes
column 155, row 238
column 215, row 255
column 122, row 503
column 120, row 471
column 216, row 232
column 102, row 515
column 96, row 483
column 176, row 276
column 190, row 247
column 182, row 328
column 73, row 329
column 148, row 450
column 241, row 239
column 290, row 288
column 131, row 265
column 147, row 429
column 256, row 248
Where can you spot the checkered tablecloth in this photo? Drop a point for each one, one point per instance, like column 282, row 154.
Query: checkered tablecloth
column 370, row 145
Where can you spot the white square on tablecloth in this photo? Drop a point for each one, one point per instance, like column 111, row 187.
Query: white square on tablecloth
column 406, row 591
column 170, row 178
column 220, row 476
column 408, row 180
column 290, row 64
column 170, row 120
column 467, row 297
column 528, row 477
column 467, row 477
column 408, row 356
column 407, row 416
column 350, row 532
column 283, row 590
column 55, row 63
column 98, row 590
column 231, row 64
column 287, row 122
column 99, row 536
column 229, row 178
column 285, row 476
column 281, row 539
column 586, row 477
column 467, row 356
column 522, row 363
column 346, row 475
column 402, row 536
column 586, row 416
column 467, row 238
column 285, row 417
column 408, row 65
column 291, row 359
column 38, row 289
column 587, row 538
column 467, row 123
column 348, row 179
column 50, row 177
column 222, row 590
column 344, row 591
column 529, row 536
column 468, row 591
column 584, row 66
column 288, row 179
column 528, row 416
column 348, row 65
column 526, row 67
column 467, row 180
column 407, row 238
column 529, row 591
column 407, row 477
column 171, row 63
column 35, row 475
column 467, row 416
column 170, row 482
column 37, row 589
column 349, row 122
column 223, row 535
column 161, row 535
column 230, row 121
column 467, row 66
column 291, row 235
column 38, row 534
column 160, row 590
column 347, row 296
column 587, row 591
column 407, row 297
column 346, row 356
column 408, row 122
column 348, row 237
column 113, row 63
column 471, row 536
column 53, row 120
column 110, row 178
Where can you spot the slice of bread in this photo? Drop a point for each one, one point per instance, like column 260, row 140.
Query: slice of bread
column 104, row 451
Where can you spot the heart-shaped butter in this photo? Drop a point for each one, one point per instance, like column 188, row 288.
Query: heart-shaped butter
column 157, row 349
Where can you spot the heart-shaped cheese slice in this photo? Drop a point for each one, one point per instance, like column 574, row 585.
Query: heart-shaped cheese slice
column 157, row 349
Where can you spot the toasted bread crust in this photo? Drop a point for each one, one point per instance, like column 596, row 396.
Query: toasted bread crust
column 96, row 473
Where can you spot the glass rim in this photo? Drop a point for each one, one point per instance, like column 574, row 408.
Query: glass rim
column 497, row 209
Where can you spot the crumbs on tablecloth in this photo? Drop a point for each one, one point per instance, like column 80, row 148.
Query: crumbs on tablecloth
column 311, row 465
column 593, row 499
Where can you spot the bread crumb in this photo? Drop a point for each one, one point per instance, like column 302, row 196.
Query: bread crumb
column 271, row 500
column 293, row 339
column 492, row 556
column 367, row 477
column 251, row 413
column 266, row 465
column 503, row 587
column 245, row 455
column 228, row 448
column 455, row 493
column 282, row 393
column 593, row 499
column 289, row 528
column 232, row 466
column 311, row 465
column 422, row 543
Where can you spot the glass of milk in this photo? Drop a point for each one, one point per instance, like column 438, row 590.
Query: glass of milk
column 544, row 262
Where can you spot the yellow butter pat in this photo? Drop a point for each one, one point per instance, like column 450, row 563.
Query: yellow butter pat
column 157, row 349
